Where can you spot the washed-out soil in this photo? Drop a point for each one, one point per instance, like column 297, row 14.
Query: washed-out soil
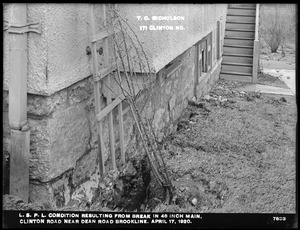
column 234, row 152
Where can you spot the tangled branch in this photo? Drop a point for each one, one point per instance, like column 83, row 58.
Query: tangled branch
column 130, row 56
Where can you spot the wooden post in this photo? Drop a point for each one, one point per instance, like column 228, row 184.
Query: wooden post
column 121, row 132
column 196, row 69
column 255, row 61
column 218, row 40
column 109, row 100
column 97, row 94
column 256, row 47
column 20, row 136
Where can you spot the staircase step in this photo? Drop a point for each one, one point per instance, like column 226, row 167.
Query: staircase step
column 241, row 15
column 240, row 33
column 242, row 42
column 239, row 38
column 237, row 64
column 236, row 73
column 242, row 30
column 238, row 22
column 234, row 77
column 243, row 11
column 238, row 49
column 239, row 46
column 242, row 5
column 236, row 67
column 240, row 19
column 237, row 58
column 240, row 25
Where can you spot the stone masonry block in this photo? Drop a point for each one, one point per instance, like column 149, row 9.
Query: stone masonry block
column 172, row 102
column 45, row 105
column 39, row 162
column 80, row 91
column 93, row 141
column 69, row 134
column 85, row 167
column 158, row 119
column 41, row 193
column 168, row 87
column 58, row 141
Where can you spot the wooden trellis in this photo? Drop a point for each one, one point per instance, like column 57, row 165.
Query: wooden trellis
column 98, row 75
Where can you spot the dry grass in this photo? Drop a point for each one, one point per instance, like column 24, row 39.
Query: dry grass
column 239, row 157
column 277, row 24
column 267, row 79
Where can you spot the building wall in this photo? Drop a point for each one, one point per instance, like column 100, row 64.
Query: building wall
column 64, row 164
column 63, row 143
column 162, row 46
column 57, row 58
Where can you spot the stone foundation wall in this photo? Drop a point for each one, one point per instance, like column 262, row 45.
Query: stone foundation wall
column 63, row 144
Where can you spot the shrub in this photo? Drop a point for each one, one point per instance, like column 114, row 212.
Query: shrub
column 277, row 24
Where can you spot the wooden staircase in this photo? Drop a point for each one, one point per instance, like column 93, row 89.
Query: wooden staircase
column 239, row 58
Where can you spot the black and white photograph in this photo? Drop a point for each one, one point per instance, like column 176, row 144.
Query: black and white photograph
column 149, row 115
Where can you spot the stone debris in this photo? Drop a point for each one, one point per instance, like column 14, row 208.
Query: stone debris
column 206, row 97
column 11, row 202
column 196, row 104
column 201, row 105
column 220, row 101
column 201, row 188
column 127, row 170
column 193, row 114
column 231, row 101
column 182, row 124
column 283, row 99
column 194, row 201
column 181, row 188
column 212, row 185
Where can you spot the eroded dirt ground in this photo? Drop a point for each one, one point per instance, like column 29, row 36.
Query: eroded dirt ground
column 234, row 152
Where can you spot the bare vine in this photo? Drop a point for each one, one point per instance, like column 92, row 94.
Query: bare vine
column 133, row 77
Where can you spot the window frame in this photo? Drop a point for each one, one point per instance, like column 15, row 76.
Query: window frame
column 172, row 66
column 204, row 52
column 219, row 40
column 213, row 46
column 209, row 51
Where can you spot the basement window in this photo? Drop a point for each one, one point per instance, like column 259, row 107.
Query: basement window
column 172, row 66
column 203, row 64
column 204, row 55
